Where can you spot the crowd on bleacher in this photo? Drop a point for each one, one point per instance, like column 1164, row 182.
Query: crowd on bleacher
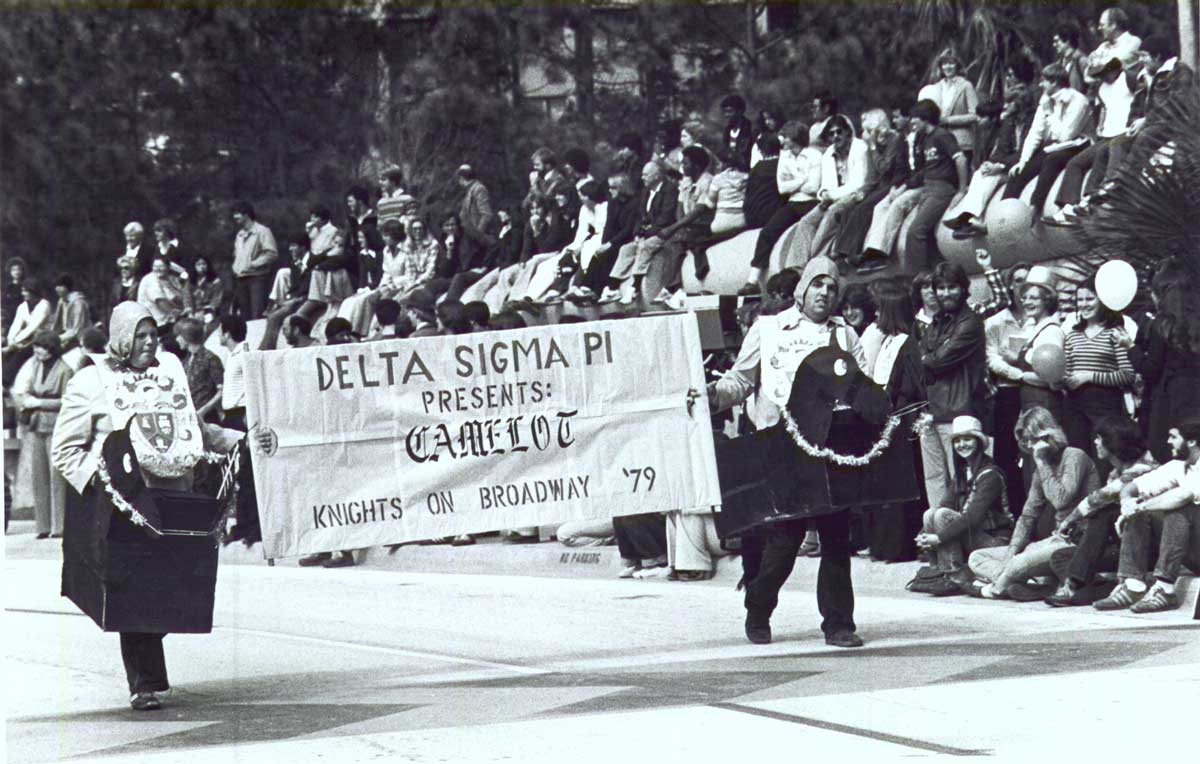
column 1036, row 482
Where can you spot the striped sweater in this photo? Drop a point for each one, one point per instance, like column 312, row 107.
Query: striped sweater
column 1101, row 356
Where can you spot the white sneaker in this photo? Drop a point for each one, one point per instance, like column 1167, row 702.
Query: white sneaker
column 610, row 295
column 678, row 301
column 659, row 571
column 629, row 571
column 664, row 296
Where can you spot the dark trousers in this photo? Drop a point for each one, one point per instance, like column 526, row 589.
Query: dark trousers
column 462, row 282
column 691, row 238
column 920, row 245
column 1095, row 158
column 250, row 295
column 247, row 527
column 145, row 664
column 857, row 223
column 596, row 275
column 1008, row 456
column 641, row 537
column 1045, row 167
column 892, row 530
column 783, row 219
column 1118, row 148
column 1084, row 407
column 13, row 361
column 1096, row 550
column 835, row 591
column 1176, row 536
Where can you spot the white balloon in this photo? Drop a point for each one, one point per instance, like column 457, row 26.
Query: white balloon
column 1116, row 284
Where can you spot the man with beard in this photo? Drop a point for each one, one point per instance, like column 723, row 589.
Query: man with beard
column 1159, row 506
column 954, row 355
column 784, row 341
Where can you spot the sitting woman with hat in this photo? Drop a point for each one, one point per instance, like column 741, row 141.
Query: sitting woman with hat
column 977, row 517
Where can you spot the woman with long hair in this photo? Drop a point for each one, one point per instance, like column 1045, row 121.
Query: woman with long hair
column 452, row 240
column 889, row 167
column 768, row 123
column 15, row 271
column 208, row 293
column 955, row 96
column 1063, row 477
column 973, row 516
column 857, row 308
column 1098, row 367
column 38, row 392
column 895, row 366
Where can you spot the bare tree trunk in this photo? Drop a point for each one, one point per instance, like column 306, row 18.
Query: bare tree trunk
column 583, row 68
column 647, row 77
column 752, row 33
column 515, row 56
column 1189, row 43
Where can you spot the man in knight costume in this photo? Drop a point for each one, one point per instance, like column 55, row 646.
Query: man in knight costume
column 805, row 365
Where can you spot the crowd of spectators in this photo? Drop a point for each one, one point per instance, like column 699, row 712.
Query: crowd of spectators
column 1006, row 445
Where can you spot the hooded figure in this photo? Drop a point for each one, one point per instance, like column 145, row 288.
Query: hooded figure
column 137, row 426
column 807, row 363
column 121, row 329
column 788, row 338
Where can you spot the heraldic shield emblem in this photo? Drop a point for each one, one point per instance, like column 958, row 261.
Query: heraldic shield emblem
column 163, row 428
column 158, row 429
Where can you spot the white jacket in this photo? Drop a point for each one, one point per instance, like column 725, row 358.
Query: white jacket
column 858, row 165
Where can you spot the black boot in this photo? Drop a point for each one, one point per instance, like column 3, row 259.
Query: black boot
column 758, row 628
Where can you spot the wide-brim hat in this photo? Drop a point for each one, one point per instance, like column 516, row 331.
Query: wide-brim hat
column 968, row 425
column 1040, row 276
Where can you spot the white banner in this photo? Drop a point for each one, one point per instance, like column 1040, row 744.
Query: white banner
column 384, row 442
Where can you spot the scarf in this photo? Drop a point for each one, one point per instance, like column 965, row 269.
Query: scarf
column 122, row 327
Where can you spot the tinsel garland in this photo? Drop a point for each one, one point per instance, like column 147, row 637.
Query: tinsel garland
column 121, row 503
column 829, row 455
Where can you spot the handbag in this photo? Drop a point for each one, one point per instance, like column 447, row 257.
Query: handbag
column 925, row 576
